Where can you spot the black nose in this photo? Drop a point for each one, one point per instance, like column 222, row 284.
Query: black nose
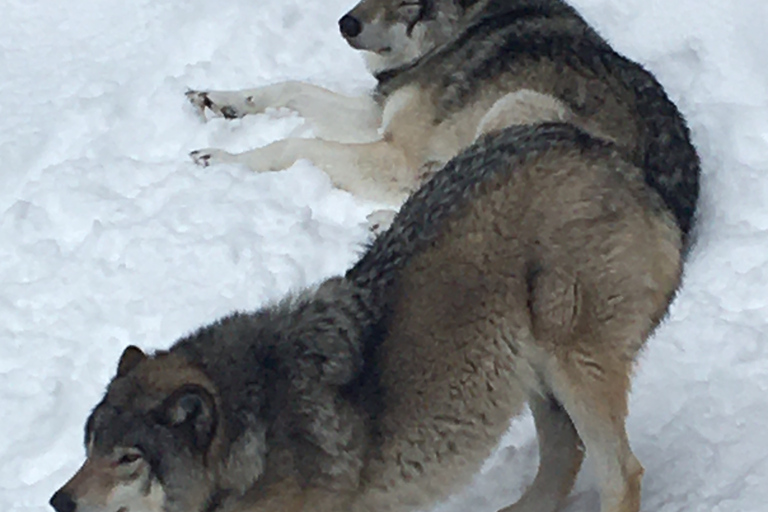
column 63, row 502
column 350, row 26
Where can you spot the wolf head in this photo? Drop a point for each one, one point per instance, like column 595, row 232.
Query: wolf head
column 396, row 32
column 154, row 443
column 249, row 398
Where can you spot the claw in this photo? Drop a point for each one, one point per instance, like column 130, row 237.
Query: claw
column 229, row 112
column 200, row 158
column 200, row 100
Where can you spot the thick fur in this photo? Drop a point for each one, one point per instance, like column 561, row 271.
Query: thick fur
column 531, row 268
column 449, row 71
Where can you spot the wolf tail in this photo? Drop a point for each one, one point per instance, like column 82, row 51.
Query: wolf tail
column 672, row 166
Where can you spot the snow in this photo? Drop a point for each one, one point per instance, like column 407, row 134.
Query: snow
column 109, row 235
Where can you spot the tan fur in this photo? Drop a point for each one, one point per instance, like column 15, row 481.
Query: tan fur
column 462, row 363
column 378, row 151
column 530, row 268
column 100, row 484
column 387, row 167
column 444, row 68
column 541, row 289
column 390, row 165
column 457, row 368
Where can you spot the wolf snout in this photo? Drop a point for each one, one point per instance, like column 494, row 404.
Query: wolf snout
column 350, row 26
column 63, row 502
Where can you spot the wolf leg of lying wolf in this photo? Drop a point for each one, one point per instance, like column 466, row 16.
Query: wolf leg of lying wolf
column 362, row 168
column 333, row 115
column 532, row 267
column 441, row 66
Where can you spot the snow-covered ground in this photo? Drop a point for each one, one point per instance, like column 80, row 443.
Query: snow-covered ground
column 109, row 235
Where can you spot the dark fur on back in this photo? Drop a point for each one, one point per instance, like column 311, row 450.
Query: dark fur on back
column 420, row 219
column 523, row 32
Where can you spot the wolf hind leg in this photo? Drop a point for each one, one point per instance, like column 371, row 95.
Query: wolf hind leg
column 594, row 392
column 523, row 107
column 560, row 456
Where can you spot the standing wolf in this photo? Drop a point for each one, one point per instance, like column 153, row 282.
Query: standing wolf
column 532, row 267
column 449, row 71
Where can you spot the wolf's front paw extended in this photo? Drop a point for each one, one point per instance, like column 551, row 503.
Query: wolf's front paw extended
column 221, row 104
column 206, row 157
column 199, row 100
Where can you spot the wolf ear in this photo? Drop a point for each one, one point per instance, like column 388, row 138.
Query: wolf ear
column 192, row 410
column 131, row 357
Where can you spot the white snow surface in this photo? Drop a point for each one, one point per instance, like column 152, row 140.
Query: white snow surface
column 110, row 236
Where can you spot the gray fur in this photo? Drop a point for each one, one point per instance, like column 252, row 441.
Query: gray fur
column 514, row 40
column 385, row 389
column 532, row 266
column 444, row 67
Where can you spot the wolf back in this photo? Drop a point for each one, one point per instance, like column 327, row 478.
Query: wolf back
column 547, row 46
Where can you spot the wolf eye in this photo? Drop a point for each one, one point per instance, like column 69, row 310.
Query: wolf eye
column 128, row 458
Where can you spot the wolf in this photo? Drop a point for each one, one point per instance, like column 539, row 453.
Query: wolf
column 449, row 71
column 531, row 268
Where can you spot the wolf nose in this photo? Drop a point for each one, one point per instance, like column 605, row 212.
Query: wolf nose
column 63, row 502
column 350, row 26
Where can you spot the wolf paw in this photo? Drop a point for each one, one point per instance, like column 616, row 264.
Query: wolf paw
column 206, row 157
column 202, row 100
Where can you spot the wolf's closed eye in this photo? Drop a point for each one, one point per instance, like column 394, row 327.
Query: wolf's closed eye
column 128, row 458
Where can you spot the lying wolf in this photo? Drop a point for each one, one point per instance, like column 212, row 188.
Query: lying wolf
column 531, row 268
column 449, row 71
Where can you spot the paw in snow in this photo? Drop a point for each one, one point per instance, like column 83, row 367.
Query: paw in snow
column 206, row 157
column 224, row 104
column 200, row 101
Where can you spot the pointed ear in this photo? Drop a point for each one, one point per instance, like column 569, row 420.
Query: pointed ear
column 192, row 410
column 131, row 357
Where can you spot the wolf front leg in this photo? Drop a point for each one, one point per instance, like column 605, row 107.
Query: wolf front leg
column 333, row 116
column 375, row 170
